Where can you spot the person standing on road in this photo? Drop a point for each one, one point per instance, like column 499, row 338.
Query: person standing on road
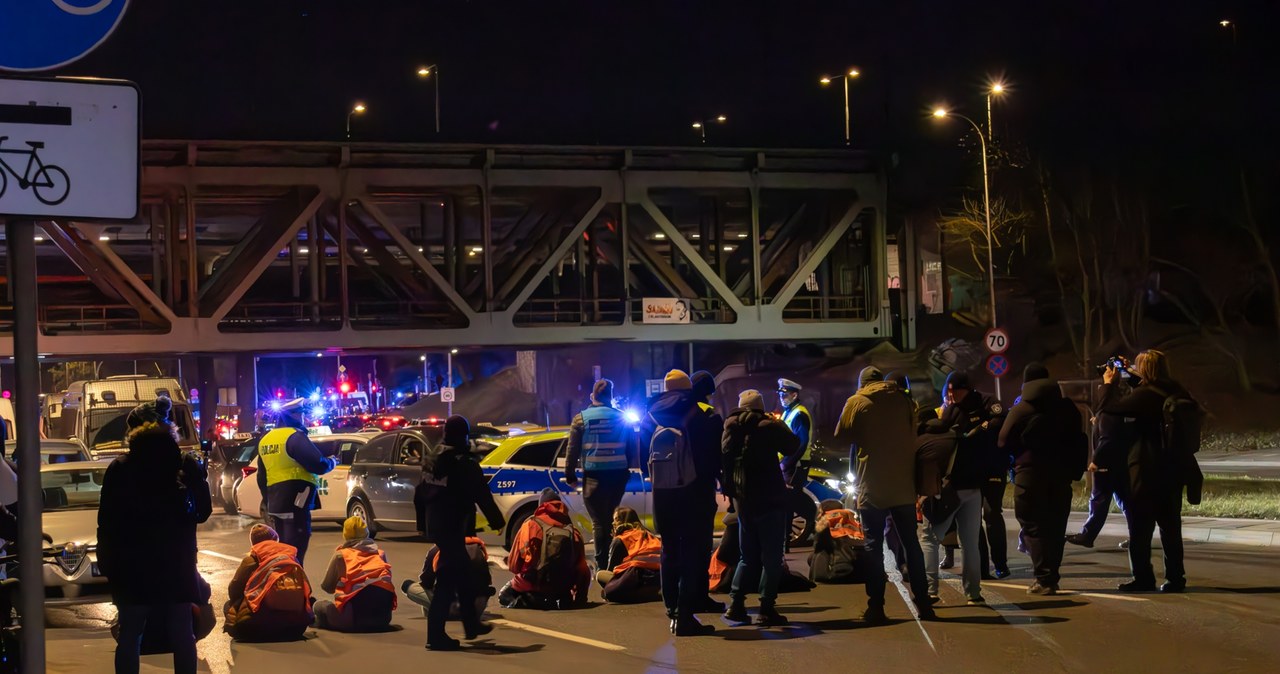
column 704, row 386
column 976, row 418
column 684, row 466
column 1043, row 435
column 152, row 499
column 1103, row 488
column 289, row 470
column 452, row 486
column 1147, row 432
column 879, row 425
column 954, row 503
column 604, row 441
column 797, row 418
column 752, row 478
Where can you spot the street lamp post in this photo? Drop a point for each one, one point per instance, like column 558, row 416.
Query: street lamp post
column 357, row 109
column 426, row 387
column 701, row 126
column 425, row 72
column 986, row 207
column 853, row 72
column 450, row 362
column 996, row 89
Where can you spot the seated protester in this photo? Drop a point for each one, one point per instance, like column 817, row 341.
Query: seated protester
column 837, row 541
column 632, row 573
column 156, row 637
column 548, row 561
column 422, row 591
column 724, row 564
column 360, row 579
column 269, row 598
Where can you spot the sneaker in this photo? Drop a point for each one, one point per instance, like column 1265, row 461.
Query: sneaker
column 1043, row 590
column 1080, row 540
column 737, row 614
column 444, row 644
column 1124, row 545
column 1003, row 573
column 976, row 601
column 1137, row 586
column 925, row 611
column 934, row 599
column 948, row 559
column 986, row 575
column 1173, row 586
column 874, row 616
column 769, row 617
column 710, row 605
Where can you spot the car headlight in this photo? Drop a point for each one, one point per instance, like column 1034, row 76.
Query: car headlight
column 835, row 484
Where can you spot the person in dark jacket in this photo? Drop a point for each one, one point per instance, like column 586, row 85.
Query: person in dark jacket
column 704, row 386
column 750, row 447
column 685, row 515
column 955, row 503
column 605, row 442
column 976, row 417
column 1042, row 434
column 879, row 424
column 152, row 499
column 1125, row 425
column 452, row 486
column 289, row 470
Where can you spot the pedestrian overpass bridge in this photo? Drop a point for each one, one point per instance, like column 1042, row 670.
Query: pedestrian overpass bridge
column 269, row 246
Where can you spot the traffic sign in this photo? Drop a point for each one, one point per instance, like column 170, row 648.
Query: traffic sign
column 46, row 34
column 997, row 365
column 447, row 395
column 69, row 148
column 996, row 340
column 342, row 368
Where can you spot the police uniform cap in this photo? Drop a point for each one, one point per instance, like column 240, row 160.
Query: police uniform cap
column 788, row 385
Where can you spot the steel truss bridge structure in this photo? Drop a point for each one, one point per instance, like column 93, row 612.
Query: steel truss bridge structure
column 270, row 246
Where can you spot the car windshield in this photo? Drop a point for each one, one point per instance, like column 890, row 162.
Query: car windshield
column 106, row 428
column 73, row 488
column 61, row 455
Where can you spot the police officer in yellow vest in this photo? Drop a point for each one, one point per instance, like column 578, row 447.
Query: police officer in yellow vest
column 289, row 470
column 796, row 416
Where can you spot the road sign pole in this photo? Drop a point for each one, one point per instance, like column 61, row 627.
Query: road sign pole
column 450, row 356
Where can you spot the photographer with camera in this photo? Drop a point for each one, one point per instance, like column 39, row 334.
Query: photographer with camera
column 1149, row 438
column 1103, row 480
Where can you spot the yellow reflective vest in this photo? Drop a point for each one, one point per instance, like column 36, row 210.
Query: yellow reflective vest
column 276, row 461
column 789, row 418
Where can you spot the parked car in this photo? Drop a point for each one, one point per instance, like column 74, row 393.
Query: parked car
column 384, row 475
column 62, row 451
column 333, row 485
column 72, row 492
column 387, row 422
column 228, row 462
column 346, row 424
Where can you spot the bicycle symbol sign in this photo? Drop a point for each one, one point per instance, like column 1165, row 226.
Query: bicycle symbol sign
column 997, row 365
column 48, row 182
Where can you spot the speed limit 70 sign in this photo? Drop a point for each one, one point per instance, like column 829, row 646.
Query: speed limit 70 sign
column 997, row 340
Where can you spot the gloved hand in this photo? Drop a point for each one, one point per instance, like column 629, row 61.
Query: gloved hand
column 499, row 525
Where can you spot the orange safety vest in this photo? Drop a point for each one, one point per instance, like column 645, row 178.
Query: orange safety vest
column 363, row 569
column 278, row 571
column 842, row 523
column 644, row 550
column 471, row 540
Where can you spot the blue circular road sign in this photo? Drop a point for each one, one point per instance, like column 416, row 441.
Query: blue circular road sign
column 46, row 34
column 997, row 365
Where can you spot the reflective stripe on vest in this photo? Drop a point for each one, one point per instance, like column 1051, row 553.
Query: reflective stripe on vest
column 275, row 559
column 363, row 569
column 842, row 523
column 604, row 439
column 789, row 418
column 644, row 550
column 276, row 461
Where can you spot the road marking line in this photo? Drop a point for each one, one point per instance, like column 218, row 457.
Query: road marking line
column 1068, row 593
column 891, row 570
column 559, row 635
column 219, row 555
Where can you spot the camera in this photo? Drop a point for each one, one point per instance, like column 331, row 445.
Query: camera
column 1115, row 362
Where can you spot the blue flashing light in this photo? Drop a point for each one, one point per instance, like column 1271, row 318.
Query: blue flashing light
column 315, row 397
column 276, row 405
column 631, row 416
column 317, row 411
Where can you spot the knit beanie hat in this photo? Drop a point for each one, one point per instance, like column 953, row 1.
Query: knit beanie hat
column 548, row 494
column 354, row 529
column 869, row 374
column 677, row 380
column 751, row 399
column 154, row 412
column 456, row 431
column 1034, row 371
column 704, row 385
column 261, row 532
column 602, row 392
column 956, row 380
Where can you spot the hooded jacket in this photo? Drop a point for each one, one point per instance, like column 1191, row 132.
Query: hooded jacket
column 879, row 424
column 679, row 409
column 1124, row 422
column 750, row 447
column 1044, row 433
column 978, row 445
column 526, row 551
column 452, row 486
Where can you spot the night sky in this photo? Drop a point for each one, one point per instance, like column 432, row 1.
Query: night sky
column 1136, row 84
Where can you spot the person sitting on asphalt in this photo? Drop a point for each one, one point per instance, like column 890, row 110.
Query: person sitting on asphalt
column 360, row 579
column 837, row 542
column 548, row 560
column 631, row 575
column 423, row 590
column 269, row 598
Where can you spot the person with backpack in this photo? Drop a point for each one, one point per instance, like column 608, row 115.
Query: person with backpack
column 152, row 499
column 452, row 486
column 879, row 424
column 359, row 577
column 750, row 447
column 1043, row 436
column 631, row 576
column 684, row 467
column 422, row 591
column 1153, row 434
column 605, row 442
column 548, row 561
column 976, row 417
column 269, row 597
column 837, row 542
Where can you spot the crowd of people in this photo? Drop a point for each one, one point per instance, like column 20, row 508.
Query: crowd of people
column 922, row 475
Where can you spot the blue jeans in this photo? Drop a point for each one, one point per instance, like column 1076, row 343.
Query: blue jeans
column 133, row 624
column 760, row 537
column 904, row 520
column 1104, row 487
column 968, row 521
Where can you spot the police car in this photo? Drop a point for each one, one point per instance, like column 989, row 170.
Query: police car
column 520, row 467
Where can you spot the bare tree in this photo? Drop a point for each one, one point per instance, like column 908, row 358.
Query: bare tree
column 969, row 224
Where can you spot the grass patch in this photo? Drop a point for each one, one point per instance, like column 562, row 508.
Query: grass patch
column 1230, row 441
column 1223, row 496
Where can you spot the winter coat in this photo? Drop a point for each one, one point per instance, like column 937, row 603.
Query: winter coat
column 1043, row 433
column 152, row 499
column 750, row 447
column 452, row 486
column 934, row 453
column 526, row 552
column 879, row 424
column 979, row 457
column 679, row 409
column 1125, row 423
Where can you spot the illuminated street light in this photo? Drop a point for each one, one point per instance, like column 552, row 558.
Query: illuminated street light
column 425, row 72
column 997, row 88
column 357, row 109
column 1228, row 23
column 701, row 126
column 986, row 206
column 853, row 72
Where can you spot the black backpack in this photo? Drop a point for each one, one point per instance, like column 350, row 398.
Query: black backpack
column 671, row 463
column 1181, row 425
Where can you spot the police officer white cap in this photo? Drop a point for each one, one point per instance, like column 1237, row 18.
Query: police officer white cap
column 789, row 385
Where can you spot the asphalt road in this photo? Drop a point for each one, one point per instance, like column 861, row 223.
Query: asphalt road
column 1228, row 621
column 1260, row 463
